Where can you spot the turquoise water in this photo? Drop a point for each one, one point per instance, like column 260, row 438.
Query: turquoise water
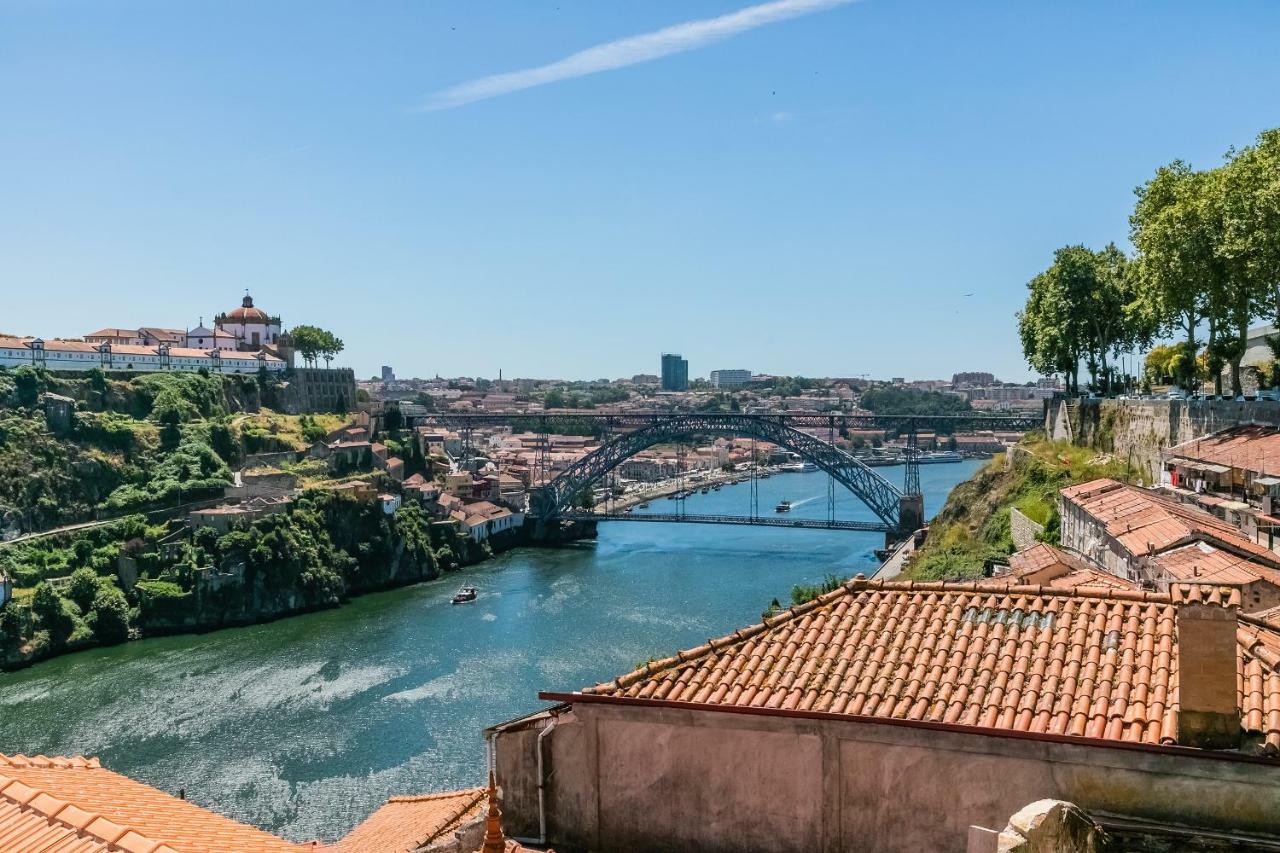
column 305, row 725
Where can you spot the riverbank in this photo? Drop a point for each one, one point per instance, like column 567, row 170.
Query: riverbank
column 321, row 554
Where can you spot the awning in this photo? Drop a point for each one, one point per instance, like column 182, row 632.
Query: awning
column 1205, row 467
column 1266, row 481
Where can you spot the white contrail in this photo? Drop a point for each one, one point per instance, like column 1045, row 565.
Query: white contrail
column 629, row 51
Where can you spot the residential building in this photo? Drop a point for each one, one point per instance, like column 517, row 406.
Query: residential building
column 730, row 378
column 224, row 518
column 119, row 337
column 973, row 377
column 1156, row 541
column 675, row 372
column 388, row 375
column 483, row 519
column 892, row 716
column 1048, row 566
column 147, row 336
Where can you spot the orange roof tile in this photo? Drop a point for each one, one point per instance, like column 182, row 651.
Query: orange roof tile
column 406, row 823
column 74, row 804
column 1053, row 567
column 1201, row 562
column 1087, row 662
column 1249, row 447
column 1145, row 522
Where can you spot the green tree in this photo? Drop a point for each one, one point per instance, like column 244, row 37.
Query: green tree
column 1050, row 343
column 314, row 343
column 84, row 584
column 1081, row 308
column 109, row 616
column 28, row 383
column 1247, row 191
column 1175, row 261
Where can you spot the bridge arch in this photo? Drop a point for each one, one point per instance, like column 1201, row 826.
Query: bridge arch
column 882, row 497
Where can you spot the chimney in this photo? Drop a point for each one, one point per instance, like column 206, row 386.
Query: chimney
column 1208, row 660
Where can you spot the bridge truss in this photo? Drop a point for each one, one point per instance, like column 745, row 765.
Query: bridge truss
column 624, row 434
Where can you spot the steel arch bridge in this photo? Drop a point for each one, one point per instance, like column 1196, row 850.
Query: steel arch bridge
column 895, row 509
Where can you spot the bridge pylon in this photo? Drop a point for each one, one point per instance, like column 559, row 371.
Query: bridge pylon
column 910, row 514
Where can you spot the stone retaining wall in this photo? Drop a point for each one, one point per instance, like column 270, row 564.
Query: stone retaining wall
column 1023, row 530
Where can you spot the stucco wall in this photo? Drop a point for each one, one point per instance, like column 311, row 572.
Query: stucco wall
column 1138, row 430
column 629, row 779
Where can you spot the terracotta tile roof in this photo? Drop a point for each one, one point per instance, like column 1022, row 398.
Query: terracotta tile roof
column 74, row 804
column 1145, row 522
column 406, row 823
column 1201, row 562
column 1053, row 567
column 1260, row 683
column 1086, row 662
column 1248, row 447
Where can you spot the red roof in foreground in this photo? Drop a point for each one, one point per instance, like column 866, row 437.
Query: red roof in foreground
column 60, row 805
column 74, row 805
column 1084, row 662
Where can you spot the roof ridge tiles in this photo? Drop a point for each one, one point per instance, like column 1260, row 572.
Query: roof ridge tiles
column 438, row 795
column 54, row 809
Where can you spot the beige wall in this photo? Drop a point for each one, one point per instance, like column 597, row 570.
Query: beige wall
column 1085, row 535
column 625, row 778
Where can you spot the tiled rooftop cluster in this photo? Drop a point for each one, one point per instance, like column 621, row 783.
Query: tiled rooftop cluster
column 1145, row 522
column 1082, row 662
column 1248, row 447
column 60, row 805
column 1053, row 567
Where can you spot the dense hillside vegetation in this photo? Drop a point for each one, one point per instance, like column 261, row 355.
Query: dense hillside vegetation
column 137, row 452
column 973, row 526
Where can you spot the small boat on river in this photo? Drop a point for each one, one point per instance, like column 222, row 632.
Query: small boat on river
column 462, row 596
column 783, row 506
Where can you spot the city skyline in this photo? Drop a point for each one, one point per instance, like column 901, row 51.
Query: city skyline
column 786, row 185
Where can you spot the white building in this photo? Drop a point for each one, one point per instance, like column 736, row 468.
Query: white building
column 80, row 355
column 730, row 378
column 202, row 337
column 250, row 326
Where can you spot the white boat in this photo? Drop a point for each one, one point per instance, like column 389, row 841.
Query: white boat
column 783, row 506
column 462, row 596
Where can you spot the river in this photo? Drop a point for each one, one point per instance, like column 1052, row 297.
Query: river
column 305, row 725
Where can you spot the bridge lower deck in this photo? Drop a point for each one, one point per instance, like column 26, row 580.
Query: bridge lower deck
column 760, row 521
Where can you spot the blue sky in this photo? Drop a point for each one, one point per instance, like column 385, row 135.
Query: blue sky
column 817, row 194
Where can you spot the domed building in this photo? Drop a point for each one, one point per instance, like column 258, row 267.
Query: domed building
column 251, row 327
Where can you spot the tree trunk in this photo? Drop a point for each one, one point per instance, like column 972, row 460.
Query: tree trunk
column 1242, row 343
column 1215, row 367
column 1190, row 373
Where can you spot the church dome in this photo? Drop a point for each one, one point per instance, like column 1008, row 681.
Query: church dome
column 246, row 313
